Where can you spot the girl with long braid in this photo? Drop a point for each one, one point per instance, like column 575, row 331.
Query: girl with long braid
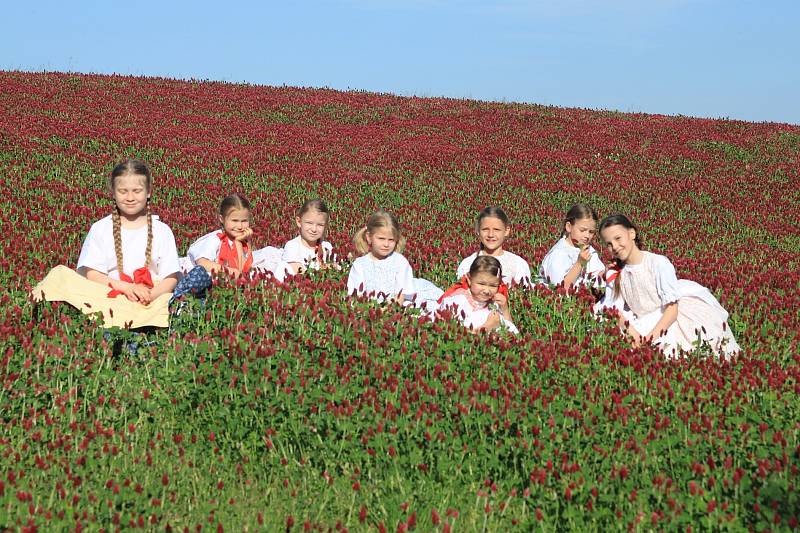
column 145, row 260
column 128, row 265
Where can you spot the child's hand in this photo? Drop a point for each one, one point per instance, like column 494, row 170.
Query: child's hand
column 493, row 322
column 636, row 338
column 500, row 299
column 129, row 294
column 585, row 255
column 128, row 289
column 245, row 235
column 141, row 293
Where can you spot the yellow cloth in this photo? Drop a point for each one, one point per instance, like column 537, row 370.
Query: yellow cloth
column 62, row 284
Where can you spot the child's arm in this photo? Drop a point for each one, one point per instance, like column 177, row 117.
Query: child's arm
column 292, row 255
column 575, row 271
column 636, row 337
column 211, row 267
column 502, row 303
column 355, row 279
column 133, row 292
column 492, row 322
column 668, row 318
column 164, row 286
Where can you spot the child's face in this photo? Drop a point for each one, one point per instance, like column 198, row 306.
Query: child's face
column 493, row 232
column 312, row 226
column 483, row 286
column 235, row 222
column 620, row 241
column 382, row 242
column 581, row 232
column 131, row 194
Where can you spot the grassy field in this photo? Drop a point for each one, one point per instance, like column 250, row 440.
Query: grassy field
column 291, row 406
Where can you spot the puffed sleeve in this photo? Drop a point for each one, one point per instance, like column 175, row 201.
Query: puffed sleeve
column 93, row 253
column 666, row 280
column 523, row 272
column 457, row 304
column 405, row 278
column 206, row 247
column 293, row 253
column 463, row 267
column 355, row 280
column 167, row 261
column 555, row 266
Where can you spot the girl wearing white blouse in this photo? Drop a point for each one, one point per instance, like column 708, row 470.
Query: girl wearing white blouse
column 128, row 265
column 676, row 315
column 382, row 272
column 480, row 305
column 130, row 250
column 493, row 228
column 309, row 249
column 572, row 260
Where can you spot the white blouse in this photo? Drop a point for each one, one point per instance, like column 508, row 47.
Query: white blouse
column 381, row 278
column 294, row 251
column 206, row 247
column 560, row 259
column 515, row 269
column 98, row 251
column 649, row 285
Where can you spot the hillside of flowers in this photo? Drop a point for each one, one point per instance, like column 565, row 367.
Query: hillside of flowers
column 291, row 407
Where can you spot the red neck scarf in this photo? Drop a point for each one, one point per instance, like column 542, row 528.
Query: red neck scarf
column 464, row 284
column 141, row 276
column 228, row 257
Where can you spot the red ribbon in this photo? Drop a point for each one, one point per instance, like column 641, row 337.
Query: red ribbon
column 464, row 284
column 141, row 276
column 229, row 257
column 611, row 273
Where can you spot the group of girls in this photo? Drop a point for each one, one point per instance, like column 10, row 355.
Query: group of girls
column 132, row 253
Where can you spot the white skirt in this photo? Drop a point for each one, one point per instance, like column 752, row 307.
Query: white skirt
column 700, row 318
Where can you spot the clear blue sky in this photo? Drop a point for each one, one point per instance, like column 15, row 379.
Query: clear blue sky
column 710, row 58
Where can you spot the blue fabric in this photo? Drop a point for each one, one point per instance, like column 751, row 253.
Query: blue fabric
column 195, row 282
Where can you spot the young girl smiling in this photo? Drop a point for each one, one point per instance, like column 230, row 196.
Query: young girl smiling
column 309, row 249
column 493, row 229
column 382, row 272
column 676, row 315
column 480, row 305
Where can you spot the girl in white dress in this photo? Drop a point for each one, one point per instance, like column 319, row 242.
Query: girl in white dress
column 480, row 305
column 493, row 229
column 658, row 307
column 131, row 252
column 572, row 261
column 309, row 249
column 382, row 272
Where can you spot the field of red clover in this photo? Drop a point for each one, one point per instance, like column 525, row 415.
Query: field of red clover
column 291, row 406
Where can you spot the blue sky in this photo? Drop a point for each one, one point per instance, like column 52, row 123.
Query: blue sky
column 709, row 58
